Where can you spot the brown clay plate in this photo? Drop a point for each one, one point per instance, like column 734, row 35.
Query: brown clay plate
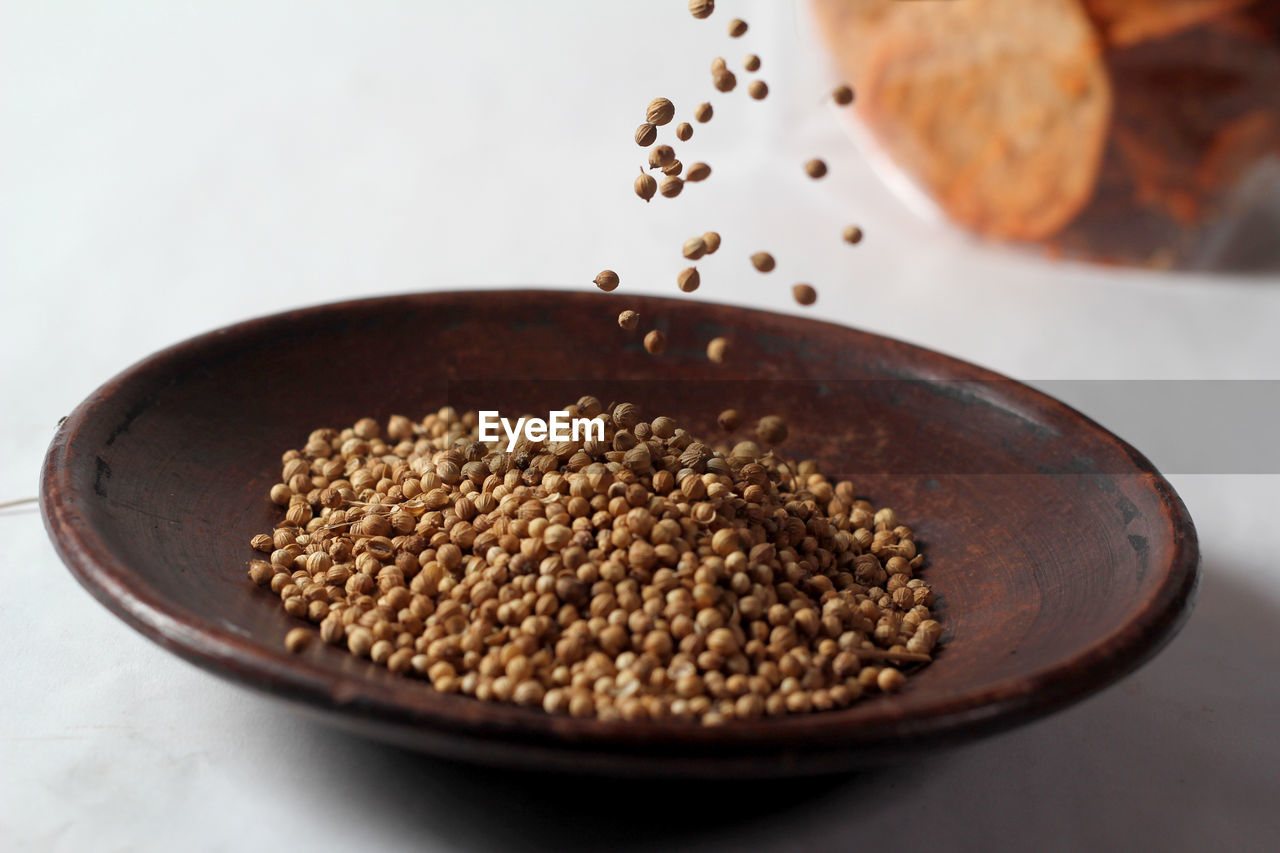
column 1062, row 560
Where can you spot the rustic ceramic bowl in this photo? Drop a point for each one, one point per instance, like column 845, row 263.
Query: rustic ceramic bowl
column 1062, row 560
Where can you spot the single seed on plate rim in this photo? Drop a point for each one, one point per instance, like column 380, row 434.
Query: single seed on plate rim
column 297, row 639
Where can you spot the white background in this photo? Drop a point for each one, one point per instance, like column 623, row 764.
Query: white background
column 166, row 168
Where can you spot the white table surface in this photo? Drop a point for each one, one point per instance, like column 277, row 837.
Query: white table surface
column 166, row 170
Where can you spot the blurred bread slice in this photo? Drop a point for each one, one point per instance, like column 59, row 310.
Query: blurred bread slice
column 999, row 109
column 1128, row 22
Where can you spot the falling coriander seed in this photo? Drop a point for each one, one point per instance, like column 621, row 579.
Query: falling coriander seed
column 711, row 240
column 725, row 81
column 684, row 131
column 758, row 89
column 660, row 112
column 815, row 168
column 701, row 8
column 688, row 280
column 694, row 248
column 670, row 187
column 772, row 429
column 703, row 113
column 763, row 261
column 698, row 172
column 751, row 62
column 842, row 94
column 607, row 281
column 672, row 168
column 804, row 294
column 628, row 320
column 646, row 186
column 646, row 135
column 737, row 28
column 852, row 235
column 729, row 420
column 655, row 342
column 661, row 156
column 718, row 350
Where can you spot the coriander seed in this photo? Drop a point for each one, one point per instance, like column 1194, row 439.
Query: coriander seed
column 772, row 429
column 661, row 156
column 815, row 168
column 842, row 94
column 297, row 639
column 655, row 342
column 701, row 8
column 762, row 261
column 607, row 280
column 718, row 350
column 758, row 90
column 751, row 62
column 804, row 294
column 688, row 280
column 684, row 131
column 628, row 319
column 660, row 112
column 703, row 113
column 711, row 240
column 725, row 81
column 737, row 28
column 646, row 186
column 694, row 248
column 729, row 420
column 852, row 235
column 673, row 168
column 646, row 135
column 671, row 187
column 698, row 172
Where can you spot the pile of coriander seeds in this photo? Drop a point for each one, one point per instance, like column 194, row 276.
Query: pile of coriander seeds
column 661, row 113
column 649, row 575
